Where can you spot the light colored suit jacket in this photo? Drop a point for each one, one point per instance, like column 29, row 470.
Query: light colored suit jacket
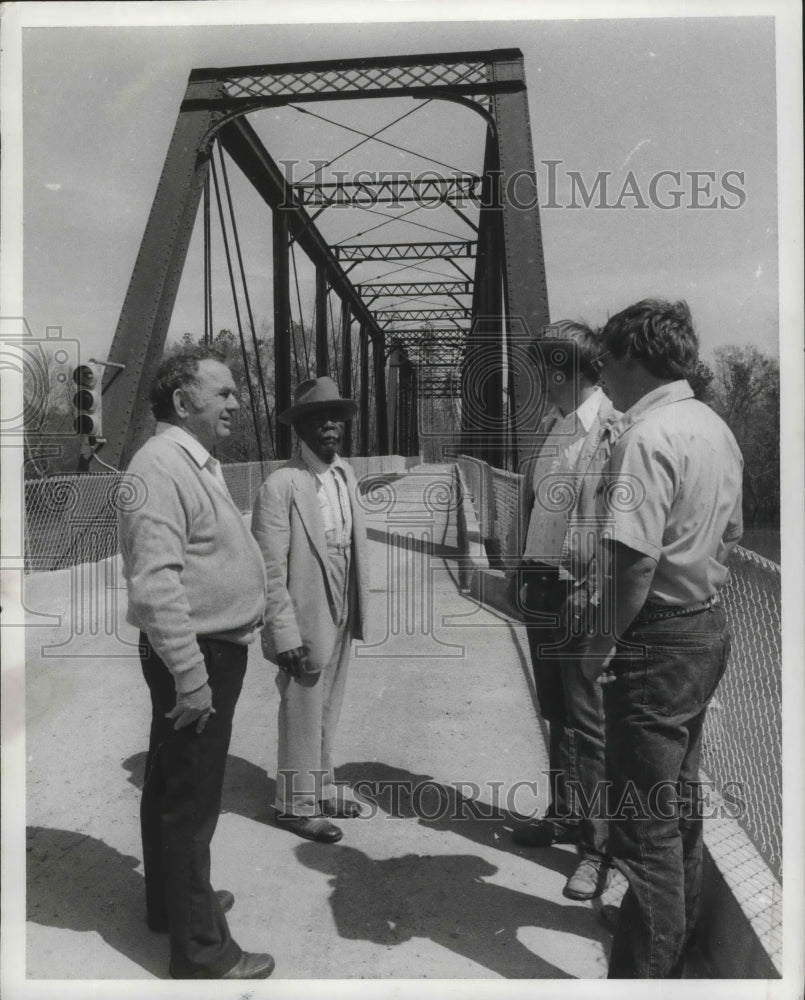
column 589, row 466
column 288, row 526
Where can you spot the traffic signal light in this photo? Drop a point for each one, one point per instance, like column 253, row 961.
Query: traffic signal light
column 87, row 401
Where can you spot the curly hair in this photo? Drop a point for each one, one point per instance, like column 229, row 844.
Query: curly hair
column 657, row 333
column 177, row 371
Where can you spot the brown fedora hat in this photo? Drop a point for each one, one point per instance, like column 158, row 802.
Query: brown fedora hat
column 314, row 395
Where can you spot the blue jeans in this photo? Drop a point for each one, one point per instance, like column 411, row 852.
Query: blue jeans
column 665, row 675
column 573, row 708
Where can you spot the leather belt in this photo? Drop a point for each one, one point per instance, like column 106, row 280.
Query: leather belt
column 658, row 612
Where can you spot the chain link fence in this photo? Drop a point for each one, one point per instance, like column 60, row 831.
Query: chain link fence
column 72, row 519
column 742, row 742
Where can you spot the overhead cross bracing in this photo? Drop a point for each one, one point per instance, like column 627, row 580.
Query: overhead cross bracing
column 410, row 251
column 422, row 314
column 371, row 292
column 464, row 191
column 389, row 210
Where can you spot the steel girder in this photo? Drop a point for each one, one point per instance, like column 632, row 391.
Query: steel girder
column 463, row 190
column 407, row 315
column 483, row 420
column 460, row 74
column 525, row 290
column 361, row 252
column 371, row 292
column 509, row 280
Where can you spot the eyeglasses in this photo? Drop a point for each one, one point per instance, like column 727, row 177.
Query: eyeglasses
column 597, row 361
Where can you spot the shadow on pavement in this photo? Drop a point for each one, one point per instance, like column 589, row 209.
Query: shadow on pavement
column 78, row 883
column 445, row 899
column 403, row 538
column 402, row 794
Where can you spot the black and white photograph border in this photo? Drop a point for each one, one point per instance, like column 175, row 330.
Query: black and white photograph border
column 667, row 163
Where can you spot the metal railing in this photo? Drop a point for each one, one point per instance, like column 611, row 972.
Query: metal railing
column 72, row 519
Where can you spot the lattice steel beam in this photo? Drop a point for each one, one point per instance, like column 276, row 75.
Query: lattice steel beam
column 407, row 315
column 360, row 252
column 464, row 74
column 415, row 288
column 462, row 191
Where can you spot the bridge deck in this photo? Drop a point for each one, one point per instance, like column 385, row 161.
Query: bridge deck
column 439, row 711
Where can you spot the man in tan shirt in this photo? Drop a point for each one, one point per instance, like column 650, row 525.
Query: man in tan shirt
column 670, row 514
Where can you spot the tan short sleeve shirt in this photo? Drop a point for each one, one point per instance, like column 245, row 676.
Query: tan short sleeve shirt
column 672, row 491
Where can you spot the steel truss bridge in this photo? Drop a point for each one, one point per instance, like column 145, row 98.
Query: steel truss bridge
column 463, row 333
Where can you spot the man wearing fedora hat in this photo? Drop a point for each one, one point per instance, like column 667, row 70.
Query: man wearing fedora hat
column 310, row 528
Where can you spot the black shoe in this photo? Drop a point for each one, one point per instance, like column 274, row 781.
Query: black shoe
column 251, row 966
column 225, row 898
column 544, row 832
column 310, row 827
column 341, row 809
column 248, row 966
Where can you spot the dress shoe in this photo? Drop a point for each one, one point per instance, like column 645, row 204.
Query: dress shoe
column 251, row 966
column 225, row 898
column 310, row 827
column 341, row 809
column 248, row 966
column 589, row 879
column 544, row 832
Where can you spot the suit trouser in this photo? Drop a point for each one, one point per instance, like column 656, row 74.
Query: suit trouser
column 181, row 801
column 310, row 707
column 573, row 707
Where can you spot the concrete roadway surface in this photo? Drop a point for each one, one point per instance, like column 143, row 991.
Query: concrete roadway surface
column 438, row 711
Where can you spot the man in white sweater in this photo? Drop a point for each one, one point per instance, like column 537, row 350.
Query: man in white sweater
column 196, row 587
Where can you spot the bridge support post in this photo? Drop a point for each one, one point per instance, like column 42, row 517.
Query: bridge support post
column 322, row 359
column 282, row 330
column 381, row 418
column 363, row 402
column 346, row 367
column 526, row 292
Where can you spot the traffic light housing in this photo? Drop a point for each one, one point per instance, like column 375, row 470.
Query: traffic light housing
column 87, row 401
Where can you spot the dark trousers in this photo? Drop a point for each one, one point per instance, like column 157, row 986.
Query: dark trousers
column 655, row 711
column 181, row 800
column 574, row 710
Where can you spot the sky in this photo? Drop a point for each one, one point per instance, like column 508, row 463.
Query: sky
column 647, row 96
